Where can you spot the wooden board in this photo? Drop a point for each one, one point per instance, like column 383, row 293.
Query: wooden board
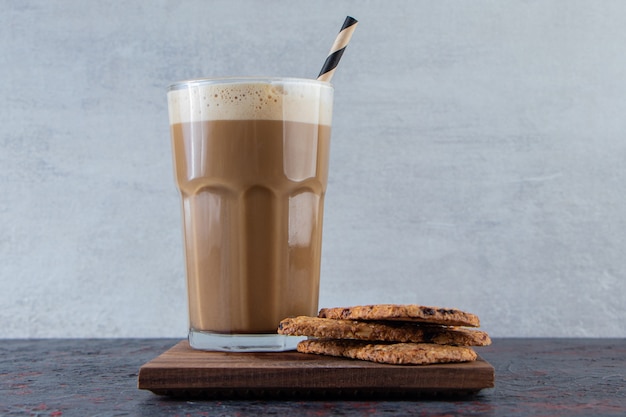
column 182, row 371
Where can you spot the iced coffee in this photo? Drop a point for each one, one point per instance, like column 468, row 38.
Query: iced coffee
column 251, row 164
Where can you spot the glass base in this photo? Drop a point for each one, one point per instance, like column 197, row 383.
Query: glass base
column 242, row 342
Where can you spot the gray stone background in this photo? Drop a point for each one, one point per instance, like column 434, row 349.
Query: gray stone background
column 478, row 157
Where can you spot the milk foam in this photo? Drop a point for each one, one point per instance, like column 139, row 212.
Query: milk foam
column 306, row 101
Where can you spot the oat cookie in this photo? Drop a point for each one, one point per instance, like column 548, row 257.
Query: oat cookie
column 390, row 353
column 389, row 331
column 403, row 312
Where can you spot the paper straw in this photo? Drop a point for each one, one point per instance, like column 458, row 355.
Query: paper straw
column 340, row 44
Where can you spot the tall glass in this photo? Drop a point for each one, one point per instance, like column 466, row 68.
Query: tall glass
column 251, row 164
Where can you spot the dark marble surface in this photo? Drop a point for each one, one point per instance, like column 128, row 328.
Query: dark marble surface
column 87, row 377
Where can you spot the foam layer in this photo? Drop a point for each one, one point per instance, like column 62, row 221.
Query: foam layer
column 306, row 101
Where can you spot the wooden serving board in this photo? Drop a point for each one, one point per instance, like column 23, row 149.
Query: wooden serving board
column 182, row 371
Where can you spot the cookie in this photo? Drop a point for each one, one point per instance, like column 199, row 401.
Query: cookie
column 389, row 353
column 403, row 312
column 390, row 331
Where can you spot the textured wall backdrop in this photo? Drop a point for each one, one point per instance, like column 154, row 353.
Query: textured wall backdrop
column 478, row 157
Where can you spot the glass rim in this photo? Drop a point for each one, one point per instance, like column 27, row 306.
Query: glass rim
column 196, row 82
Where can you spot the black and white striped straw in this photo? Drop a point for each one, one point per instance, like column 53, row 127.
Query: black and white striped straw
column 340, row 44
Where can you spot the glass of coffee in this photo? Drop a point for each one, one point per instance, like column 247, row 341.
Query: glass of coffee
column 251, row 164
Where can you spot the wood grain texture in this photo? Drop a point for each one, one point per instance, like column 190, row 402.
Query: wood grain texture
column 184, row 371
column 556, row 377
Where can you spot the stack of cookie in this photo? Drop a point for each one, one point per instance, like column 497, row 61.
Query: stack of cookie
column 399, row 334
